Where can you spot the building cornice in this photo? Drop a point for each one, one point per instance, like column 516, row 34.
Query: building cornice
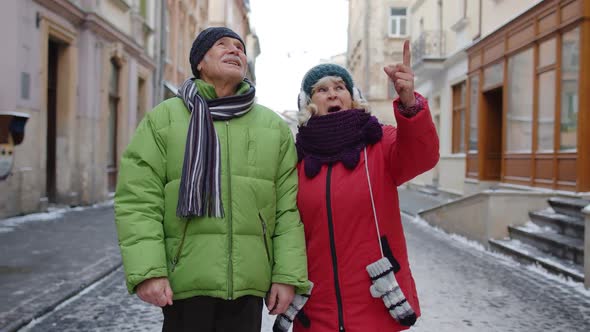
column 100, row 26
column 66, row 9
column 103, row 28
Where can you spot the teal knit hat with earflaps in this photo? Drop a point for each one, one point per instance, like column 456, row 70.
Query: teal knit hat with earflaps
column 326, row 69
column 320, row 71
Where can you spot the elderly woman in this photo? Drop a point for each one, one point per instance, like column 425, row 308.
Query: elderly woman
column 349, row 168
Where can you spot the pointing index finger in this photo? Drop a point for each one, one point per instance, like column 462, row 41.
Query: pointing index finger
column 407, row 54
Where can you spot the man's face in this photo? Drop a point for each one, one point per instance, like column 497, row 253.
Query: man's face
column 225, row 62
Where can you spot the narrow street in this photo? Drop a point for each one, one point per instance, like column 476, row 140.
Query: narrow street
column 461, row 288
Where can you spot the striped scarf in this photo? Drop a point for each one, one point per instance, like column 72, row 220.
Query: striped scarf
column 200, row 184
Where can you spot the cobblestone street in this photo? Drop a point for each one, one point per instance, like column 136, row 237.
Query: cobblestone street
column 461, row 288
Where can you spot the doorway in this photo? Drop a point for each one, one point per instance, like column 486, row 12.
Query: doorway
column 493, row 110
column 113, row 126
column 50, row 166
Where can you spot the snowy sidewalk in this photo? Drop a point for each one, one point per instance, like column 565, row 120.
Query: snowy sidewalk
column 50, row 257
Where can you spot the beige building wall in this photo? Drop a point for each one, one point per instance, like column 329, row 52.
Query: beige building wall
column 371, row 47
column 86, row 35
column 186, row 18
column 447, row 28
column 182, row 25
column 496, row 13
column 234, row 14
column 118, row 13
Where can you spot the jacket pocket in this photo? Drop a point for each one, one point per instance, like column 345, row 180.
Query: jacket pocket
column 264, row 231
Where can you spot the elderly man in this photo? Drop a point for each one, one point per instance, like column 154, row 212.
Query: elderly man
column 206, row 200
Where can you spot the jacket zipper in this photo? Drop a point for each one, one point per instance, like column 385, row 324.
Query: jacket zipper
column 264, row 236
column 333, row 251
column 229, row 216
column 177, row 256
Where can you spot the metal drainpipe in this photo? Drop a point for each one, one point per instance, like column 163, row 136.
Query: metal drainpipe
column 367, row 53
column 479, row 23
column 441, row 38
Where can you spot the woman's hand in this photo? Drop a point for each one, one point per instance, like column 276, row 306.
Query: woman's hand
column 402, row 76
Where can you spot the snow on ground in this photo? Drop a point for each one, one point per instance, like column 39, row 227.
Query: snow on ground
column 9, row 224
column 534, row 228
column 504, row 259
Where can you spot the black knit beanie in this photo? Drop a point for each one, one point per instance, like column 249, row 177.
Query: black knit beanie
column 205, row 41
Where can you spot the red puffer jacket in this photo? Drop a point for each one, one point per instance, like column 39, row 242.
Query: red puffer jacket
column 340, row 230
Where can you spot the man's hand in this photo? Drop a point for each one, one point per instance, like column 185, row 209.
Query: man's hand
column 156, row 291
column 402, row 77
column 279, row 298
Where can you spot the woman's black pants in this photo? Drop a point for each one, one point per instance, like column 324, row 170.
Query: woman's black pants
column 209, row 314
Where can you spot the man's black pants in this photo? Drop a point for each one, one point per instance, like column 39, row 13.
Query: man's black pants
column 209, row 314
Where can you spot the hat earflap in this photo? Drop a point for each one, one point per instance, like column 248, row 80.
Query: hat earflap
column 358, row 96
column 303, row 100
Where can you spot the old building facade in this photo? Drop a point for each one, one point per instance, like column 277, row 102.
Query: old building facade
column 184, row 19
column 469, row 65
column 376, row 32
column 492, row 82
column 84, row 73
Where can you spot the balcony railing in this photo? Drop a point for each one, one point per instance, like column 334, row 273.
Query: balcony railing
column 430, row 45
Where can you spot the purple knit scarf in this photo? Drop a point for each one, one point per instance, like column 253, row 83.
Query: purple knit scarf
column 336, row 137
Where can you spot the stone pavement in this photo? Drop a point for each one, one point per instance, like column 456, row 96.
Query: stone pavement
column 106, row 306
column 461, row 286
column 45, row 262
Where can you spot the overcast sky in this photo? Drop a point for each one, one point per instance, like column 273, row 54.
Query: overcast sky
column 294, row 36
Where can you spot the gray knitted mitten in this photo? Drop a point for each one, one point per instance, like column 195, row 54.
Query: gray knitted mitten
column 386, row 287
column 284, row 321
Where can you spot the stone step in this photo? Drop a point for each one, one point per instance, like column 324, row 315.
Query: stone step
column 530, row 255
column 568, row 206
column 549, row 241
column 561, row 223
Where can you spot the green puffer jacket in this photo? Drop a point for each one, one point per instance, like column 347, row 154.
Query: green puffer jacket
column 261, row 238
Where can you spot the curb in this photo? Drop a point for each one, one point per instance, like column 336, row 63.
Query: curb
column 22, row 322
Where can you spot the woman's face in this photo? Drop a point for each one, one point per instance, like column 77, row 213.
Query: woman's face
column 330, row 95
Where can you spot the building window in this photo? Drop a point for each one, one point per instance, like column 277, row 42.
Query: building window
column 398, row 22
column 546, row 97
column 473, row 110
column 546, row 105
column 519, row 118
column 168, row 35
column 114, row 99
column 493, row 76
column 570, row 68
column 459, row 93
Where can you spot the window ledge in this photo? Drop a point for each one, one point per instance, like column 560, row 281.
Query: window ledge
column 460, row 24
column 399, row 37
column 458, row 155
